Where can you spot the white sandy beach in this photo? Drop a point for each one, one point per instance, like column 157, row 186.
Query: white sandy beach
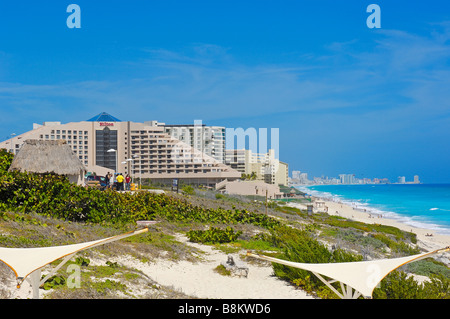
column 201, row 281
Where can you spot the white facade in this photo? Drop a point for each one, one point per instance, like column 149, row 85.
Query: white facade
column 265, row 165
column 347, row 178
column 209, row 140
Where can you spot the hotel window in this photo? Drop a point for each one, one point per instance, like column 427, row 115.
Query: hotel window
column 69, row 132
column 106, row 139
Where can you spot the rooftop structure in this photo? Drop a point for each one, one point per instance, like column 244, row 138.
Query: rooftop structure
column 38, row 156
column 104, row 117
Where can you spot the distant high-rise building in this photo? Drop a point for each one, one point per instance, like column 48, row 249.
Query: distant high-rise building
column 416, row 179
column 296, row 175
column 304, row 178
column 209, row 140
column 347, row 178
column 401, row 180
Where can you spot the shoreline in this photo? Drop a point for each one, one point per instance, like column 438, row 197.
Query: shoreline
column 427, row 238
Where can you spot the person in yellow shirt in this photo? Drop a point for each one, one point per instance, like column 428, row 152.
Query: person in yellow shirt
column 120, row 180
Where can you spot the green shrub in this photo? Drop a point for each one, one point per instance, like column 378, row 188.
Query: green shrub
column 188, row 189
column 55, row 196
column 53, row 282
column 398, row 286
column 219, row 196
column 428, row 267
column 213, row 235
column 5, row 160
column 222, row 270
column 82, row 261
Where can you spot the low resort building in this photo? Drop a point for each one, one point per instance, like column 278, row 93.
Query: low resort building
column 250, row 188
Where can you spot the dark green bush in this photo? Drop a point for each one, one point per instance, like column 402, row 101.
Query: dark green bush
column 213, row 235
column 55, row 196
column 188, row 189
column 5, row 160
column 397, row 285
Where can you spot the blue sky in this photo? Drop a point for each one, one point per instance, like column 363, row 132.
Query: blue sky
column 346, row 98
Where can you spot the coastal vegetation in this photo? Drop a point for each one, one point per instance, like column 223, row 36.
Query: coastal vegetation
column 45, row 209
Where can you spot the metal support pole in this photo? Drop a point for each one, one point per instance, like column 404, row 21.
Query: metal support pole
column 65, row 260
column 35, row 278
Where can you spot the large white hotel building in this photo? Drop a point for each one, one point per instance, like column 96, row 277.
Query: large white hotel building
column 147, row 150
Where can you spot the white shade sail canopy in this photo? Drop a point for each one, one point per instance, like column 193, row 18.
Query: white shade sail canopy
column 362, row 276
column 23, row 261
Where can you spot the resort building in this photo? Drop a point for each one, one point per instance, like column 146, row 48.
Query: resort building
column 209, row 140
column 347, row 179
column 264, row 165
column 105, row 143
column 250, row 188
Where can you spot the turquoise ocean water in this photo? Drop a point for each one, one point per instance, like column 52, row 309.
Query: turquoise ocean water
column 418, row 205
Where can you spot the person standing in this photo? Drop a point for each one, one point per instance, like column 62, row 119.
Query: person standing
column 127, row 182
column 120, row 180
column 107, row 177
column 111, row 180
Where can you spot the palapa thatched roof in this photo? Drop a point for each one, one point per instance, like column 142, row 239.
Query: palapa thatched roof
column 39, row 156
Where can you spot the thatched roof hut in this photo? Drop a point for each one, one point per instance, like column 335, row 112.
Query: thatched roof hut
column 56, row 156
